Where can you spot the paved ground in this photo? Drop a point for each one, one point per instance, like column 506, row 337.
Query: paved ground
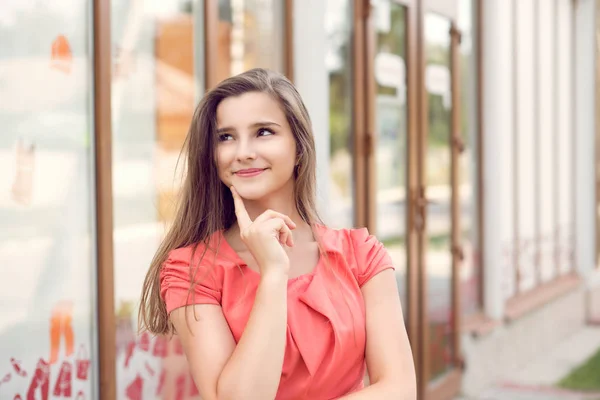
column 536, row 381
column 515, row 392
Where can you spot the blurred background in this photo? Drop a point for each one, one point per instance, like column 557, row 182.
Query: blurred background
column 463, row 133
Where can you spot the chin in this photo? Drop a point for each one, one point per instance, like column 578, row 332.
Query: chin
column 252, row 192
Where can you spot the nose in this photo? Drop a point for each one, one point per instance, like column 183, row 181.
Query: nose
column 245, row 149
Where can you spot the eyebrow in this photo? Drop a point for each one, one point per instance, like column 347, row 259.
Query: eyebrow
column 254, row 125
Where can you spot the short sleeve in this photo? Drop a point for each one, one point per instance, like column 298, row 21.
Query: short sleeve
column 370, row 254
column 176, row 277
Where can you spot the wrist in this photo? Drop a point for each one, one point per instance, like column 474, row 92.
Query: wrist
column 275, row 275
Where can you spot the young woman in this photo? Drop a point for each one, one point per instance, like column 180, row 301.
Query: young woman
column 267, row 301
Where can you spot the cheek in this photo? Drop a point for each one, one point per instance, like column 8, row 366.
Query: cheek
column 287, row 160
column 223, row 160
column 278, row 151
column 292, row 154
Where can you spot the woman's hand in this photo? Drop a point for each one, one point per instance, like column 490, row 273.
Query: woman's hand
column 265, row 236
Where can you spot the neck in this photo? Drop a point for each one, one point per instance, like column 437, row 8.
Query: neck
column 282, row 202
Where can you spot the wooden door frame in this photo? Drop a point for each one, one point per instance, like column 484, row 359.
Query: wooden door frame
column 449, row 384
column 211, row 21
column 362, row 136
column 365, row 172
column 365, row 143
column 413, row 219
column 107, row 367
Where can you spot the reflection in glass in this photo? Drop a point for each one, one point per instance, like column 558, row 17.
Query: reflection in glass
column 470, row 269
column 250, row 34
column 338, row 24
column 46, row 198
column 391, row 115
column 439, row 190
column 153, row 98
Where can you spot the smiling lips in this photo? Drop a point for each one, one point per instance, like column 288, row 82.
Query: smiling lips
column 250, row 172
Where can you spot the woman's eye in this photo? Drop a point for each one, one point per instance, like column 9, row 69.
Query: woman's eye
column 265, row 132
column 224, row 137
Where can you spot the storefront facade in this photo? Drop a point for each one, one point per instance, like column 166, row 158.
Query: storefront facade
column 97, row 98
column 537, row 173
column 48, row 251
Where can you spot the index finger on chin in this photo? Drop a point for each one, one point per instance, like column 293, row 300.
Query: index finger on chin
column 240, row 210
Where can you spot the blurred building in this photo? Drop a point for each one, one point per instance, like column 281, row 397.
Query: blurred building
column 461, row 132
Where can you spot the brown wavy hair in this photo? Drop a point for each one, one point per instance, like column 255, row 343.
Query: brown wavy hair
column 205, row 204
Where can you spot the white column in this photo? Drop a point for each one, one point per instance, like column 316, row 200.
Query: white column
column 585, row 216
column 546, row 134
column 497, row 141
column 524, row 106
column 311, row 79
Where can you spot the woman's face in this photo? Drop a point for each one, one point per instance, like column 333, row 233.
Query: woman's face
column 256, row 150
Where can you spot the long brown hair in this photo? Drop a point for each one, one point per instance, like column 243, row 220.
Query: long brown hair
column 205, row 204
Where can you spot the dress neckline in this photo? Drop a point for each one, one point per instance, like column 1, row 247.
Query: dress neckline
column 223, row 244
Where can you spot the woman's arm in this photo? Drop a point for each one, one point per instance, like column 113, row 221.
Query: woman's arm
column 252, row 369
column 388, row 352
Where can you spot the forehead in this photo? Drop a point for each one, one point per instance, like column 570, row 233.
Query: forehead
column 249, row 108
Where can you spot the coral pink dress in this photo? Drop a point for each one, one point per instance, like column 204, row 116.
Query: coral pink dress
column 326, row 335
